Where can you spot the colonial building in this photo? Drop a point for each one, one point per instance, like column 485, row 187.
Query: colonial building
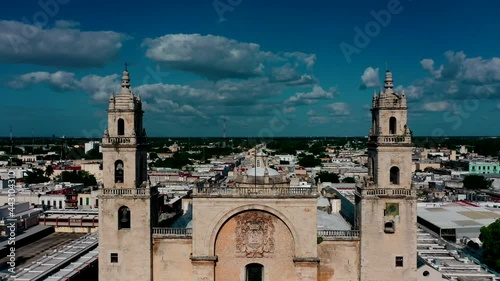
column 261, row 229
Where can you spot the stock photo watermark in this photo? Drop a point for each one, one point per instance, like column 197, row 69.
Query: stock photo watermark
column 372, row 29
column 40, row 19
column 279, row 121
column 462, row 111
column 11, row 223
column 223, row 6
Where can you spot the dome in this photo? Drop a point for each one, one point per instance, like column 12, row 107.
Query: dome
column 260, row 172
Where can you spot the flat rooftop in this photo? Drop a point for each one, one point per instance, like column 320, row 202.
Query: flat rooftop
column 59, row 258
column 458, row 216
column 27, row 255
column 448, row 261
column 331, row 221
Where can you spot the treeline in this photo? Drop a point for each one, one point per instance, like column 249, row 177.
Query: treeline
column 482, row 146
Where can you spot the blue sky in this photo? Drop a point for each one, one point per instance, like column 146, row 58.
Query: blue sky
column 269, row 68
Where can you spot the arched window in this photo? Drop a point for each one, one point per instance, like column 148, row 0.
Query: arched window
column 392, row 125
column 254, row 272
column 389, row 227
column 394, row 175
column 123, row 217
column 119, row 175
column 121, row 127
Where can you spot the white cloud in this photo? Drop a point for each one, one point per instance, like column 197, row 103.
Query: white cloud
column 338, row 109
column 319, row 119
column 498, row 106
column 437, row 106
column 99, row 87
column 312, row 97
column 311, row 112
column 58, row 46
column 370, row 78
column 459, row 78
column 59, row 81
column 217, row 57
column 210, row 100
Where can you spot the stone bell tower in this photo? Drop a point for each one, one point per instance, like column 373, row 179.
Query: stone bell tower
column 127, row 209
column 385, row 201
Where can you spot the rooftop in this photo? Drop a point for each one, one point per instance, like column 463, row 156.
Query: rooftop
column 260, row 172
column 457, row 216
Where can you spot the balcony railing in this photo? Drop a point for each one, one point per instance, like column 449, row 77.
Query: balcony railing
column 123, row 140
column 167, row 232
column 384, row 139
column 381, row 192
column 339, row 234
column 254, row 191
column 127, row 191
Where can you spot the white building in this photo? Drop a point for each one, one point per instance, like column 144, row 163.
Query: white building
column 91, row 145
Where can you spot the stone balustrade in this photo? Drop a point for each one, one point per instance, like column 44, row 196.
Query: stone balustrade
column 254, row 191
column 128, row 191
column 391, row 139
column 167, row 232
column 388, row 192
column 331, row 234
column 123, row 140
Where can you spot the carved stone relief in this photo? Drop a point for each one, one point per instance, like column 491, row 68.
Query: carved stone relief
column 255, row 234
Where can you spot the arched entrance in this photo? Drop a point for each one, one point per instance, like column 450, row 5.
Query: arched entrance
column 254, row 244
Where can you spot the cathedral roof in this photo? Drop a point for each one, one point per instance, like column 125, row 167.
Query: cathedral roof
column 260, row 172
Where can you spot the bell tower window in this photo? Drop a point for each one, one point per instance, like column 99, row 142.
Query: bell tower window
column 394, row 175
column 123, row 217
column 121, row 127
column 392, row 125
column 254, row 272
column 119, row 173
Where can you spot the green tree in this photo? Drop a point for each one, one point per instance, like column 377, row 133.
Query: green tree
column 349, row 180
column 49, row 171
column 93, row 154
column 153, row 156
column 491, row 244
column 476, row 182
column 35, row 176
column 78, row 177
column 309, row 161
column 327, row 177
column 179, row 160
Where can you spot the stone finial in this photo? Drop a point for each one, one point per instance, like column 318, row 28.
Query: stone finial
column 388, row 82
column 126, row 82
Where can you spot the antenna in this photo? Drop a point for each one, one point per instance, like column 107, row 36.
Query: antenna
column 224, row 136
column 386, row 66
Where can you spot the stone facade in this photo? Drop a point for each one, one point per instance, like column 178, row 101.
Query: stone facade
column 261, row 228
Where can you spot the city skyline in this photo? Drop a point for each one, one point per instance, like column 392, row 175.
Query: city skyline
column 248, row 63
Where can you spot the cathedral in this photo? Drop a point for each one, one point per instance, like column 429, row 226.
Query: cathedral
column 261, row 228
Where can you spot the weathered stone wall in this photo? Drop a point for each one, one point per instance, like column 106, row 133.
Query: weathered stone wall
column 387, row 157
column 132, row 245
column 298, row 215
column 171, row 259
column 254, row 237
column 339, row 260
column 379, row 249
